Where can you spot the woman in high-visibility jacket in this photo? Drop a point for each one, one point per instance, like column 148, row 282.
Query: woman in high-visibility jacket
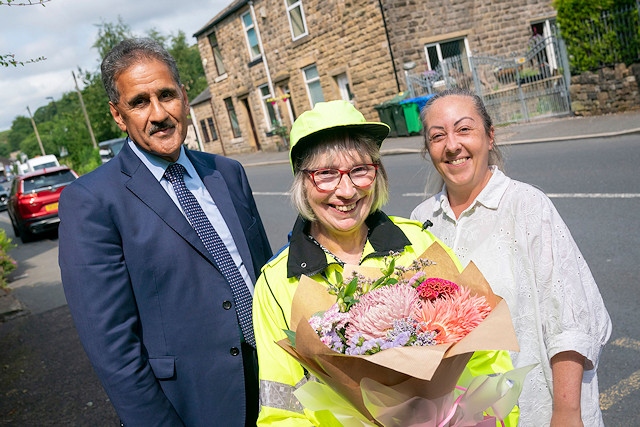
column 339, row 187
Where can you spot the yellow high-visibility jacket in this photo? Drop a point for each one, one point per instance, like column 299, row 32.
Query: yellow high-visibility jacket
column 280, row 375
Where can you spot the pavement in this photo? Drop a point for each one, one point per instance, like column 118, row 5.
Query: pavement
column 539, row 131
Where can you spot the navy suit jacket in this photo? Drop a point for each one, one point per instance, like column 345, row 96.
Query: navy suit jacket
column 151, row 307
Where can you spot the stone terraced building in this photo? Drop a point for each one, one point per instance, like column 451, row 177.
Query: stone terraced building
column 267, row 61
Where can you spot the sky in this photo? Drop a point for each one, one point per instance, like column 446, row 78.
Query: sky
column 63, row 31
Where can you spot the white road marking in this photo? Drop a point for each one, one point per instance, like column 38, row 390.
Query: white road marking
column 617, row 392
column 593, row 195
column 269, row 193
column 567, row 195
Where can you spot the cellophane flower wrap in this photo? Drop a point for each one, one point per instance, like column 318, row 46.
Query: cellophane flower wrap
column 393, row 352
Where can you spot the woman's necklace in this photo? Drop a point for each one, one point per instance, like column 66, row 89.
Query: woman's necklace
column 328, row 252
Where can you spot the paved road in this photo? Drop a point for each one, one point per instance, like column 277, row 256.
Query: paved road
column 54, row 384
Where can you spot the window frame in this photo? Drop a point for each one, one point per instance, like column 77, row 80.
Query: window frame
column 233, row 117
column 267, row 108
column 212, row 129
column 217, row 54
column 308, row 82
column 247, row 29
column 205, row 131
column 466, row 52
column 290, row 6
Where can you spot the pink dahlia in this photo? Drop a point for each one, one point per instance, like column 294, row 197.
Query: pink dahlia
column 374, row 314
column 435, row 287
column 453, row 316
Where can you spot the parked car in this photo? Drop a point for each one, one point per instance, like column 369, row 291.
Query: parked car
column 4, row 195
column 33, row 200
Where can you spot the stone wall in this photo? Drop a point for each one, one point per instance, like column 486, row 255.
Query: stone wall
column 608, row 90
column 343, row 38
column 346, row 37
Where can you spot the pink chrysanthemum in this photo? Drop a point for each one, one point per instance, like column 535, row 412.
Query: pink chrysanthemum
column 435, row 287
column 374, row 314
column 453, row 316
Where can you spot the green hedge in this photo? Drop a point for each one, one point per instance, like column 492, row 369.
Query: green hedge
column 598, row 33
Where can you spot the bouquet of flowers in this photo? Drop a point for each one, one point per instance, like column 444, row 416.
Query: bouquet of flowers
column 390, row 346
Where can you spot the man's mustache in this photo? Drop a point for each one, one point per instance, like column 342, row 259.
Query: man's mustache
column 157, row 127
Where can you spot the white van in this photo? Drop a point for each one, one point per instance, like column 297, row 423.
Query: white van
column 40, row 162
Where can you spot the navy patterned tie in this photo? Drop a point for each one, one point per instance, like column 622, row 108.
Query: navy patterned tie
column 216, row 247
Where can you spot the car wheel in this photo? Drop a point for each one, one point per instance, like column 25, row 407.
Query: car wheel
column 16, row 229
column 25, row 235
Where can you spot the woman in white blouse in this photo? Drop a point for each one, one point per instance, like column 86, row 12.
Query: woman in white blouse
column 516, row 237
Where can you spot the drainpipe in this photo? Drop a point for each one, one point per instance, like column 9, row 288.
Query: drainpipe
column 194, row 122
column 264, row 61
column 386, row 32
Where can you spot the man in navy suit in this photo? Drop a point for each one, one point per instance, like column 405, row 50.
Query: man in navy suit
column 154, row 313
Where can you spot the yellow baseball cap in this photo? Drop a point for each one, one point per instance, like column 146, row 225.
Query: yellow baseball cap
column 330, row 115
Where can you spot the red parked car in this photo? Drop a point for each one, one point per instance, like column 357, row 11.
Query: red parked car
column 33, row 200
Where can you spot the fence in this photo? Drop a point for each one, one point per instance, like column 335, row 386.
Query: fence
column 515, row 89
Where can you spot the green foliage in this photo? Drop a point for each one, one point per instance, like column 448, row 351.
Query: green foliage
column 61, row 122
column 189, row 64
column 7, row 263
column 9, row 58
column 598, row 32
column 5, row 150
column 109, row 35
column 85, row 160
column 23, row 3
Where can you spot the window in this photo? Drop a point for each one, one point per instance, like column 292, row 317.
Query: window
column 267, row 102
column 43, row 182
column 288, row 102
column 297, row 23
column 217, row 55
column 445, row 56
column 252, row 36
column 233, row 118
column 343, row 86
column 205, row 132
column 542, row 33
column 312, row 80
column 212, row 128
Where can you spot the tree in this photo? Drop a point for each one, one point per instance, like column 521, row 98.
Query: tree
column 61, row 124
column 109, row 35
column 598, row 32
column 9, row 58
column 189, row 64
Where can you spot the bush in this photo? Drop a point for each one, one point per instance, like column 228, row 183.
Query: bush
column 598, row 33
column 7, row 264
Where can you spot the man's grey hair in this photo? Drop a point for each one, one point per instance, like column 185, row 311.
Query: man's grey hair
column 127, row 53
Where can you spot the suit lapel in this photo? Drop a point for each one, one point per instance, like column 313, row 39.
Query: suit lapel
column 144, row 185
